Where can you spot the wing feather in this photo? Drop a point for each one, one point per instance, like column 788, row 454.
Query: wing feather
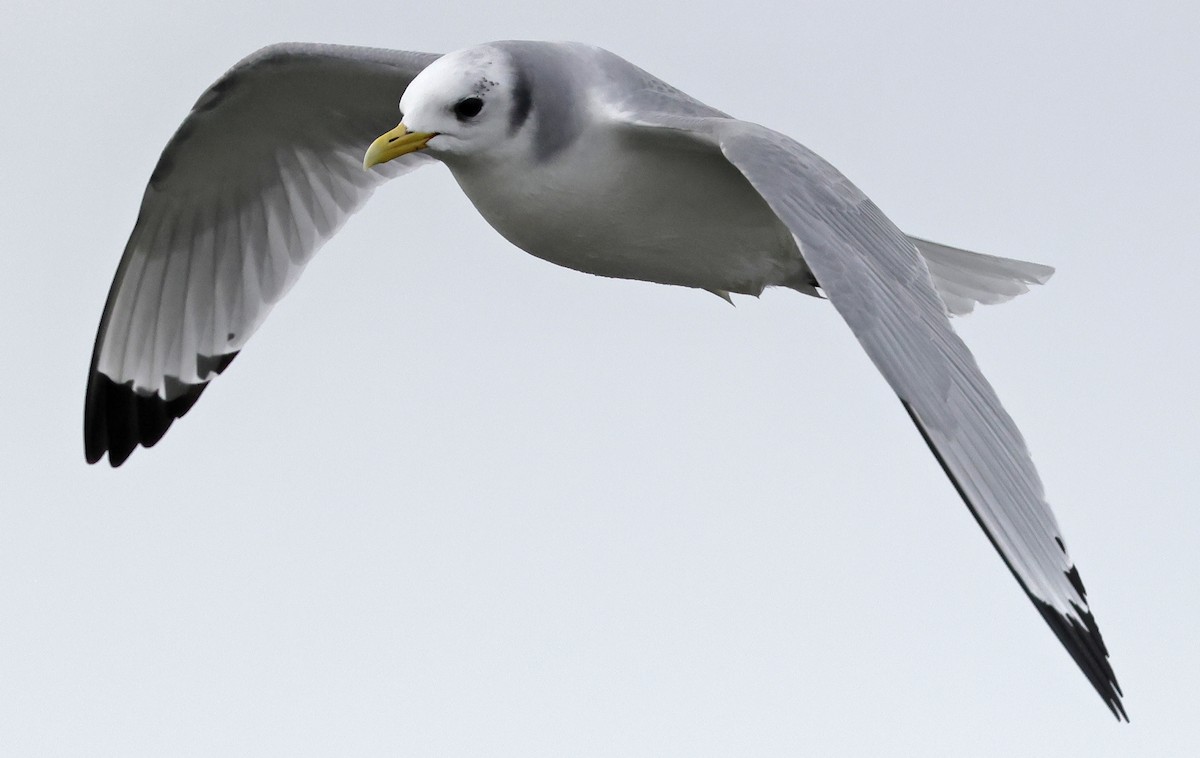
column 260, row 174
column 878, row 281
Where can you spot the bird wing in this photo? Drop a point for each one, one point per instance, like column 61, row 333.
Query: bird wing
column 877, row 280
column 265, row 168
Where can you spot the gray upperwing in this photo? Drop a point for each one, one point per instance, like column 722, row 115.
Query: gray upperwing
column 881, row 286
column 876, row 279
column 260, row 174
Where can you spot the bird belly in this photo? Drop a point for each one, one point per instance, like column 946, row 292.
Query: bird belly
column 617, row 207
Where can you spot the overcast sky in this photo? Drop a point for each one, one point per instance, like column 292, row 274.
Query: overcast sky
column 455, row 501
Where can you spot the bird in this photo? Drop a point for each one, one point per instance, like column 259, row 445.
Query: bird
column 578, row 157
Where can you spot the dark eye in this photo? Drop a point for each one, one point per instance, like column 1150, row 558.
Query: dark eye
column 468, row 107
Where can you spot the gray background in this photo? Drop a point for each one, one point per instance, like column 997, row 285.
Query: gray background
column 454, row 501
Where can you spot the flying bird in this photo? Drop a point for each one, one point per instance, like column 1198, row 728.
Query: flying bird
column 582, row 159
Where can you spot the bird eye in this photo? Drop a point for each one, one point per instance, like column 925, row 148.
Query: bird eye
column 468, row 107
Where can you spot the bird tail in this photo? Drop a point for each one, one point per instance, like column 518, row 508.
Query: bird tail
column 963, row 278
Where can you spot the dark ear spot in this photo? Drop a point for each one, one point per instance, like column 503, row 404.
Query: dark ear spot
column 522, row 103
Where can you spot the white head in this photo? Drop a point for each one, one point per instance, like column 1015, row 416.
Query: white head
column 465, row 103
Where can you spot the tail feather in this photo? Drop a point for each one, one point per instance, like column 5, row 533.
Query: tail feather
column 963, row 278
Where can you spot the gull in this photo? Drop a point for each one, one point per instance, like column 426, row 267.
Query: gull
column 580, row 158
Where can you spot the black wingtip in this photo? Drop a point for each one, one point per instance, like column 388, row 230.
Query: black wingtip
column 1082, row 640
column 117, row 418
column 1081, row 637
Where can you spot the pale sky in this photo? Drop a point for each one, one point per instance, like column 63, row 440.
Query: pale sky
column 454, row 501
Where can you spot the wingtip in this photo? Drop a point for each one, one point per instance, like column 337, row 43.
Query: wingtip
column 1078, row 633
column 118, row 419
column 1082, row 639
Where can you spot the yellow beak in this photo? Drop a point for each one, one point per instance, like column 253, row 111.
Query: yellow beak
column 393, row 144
